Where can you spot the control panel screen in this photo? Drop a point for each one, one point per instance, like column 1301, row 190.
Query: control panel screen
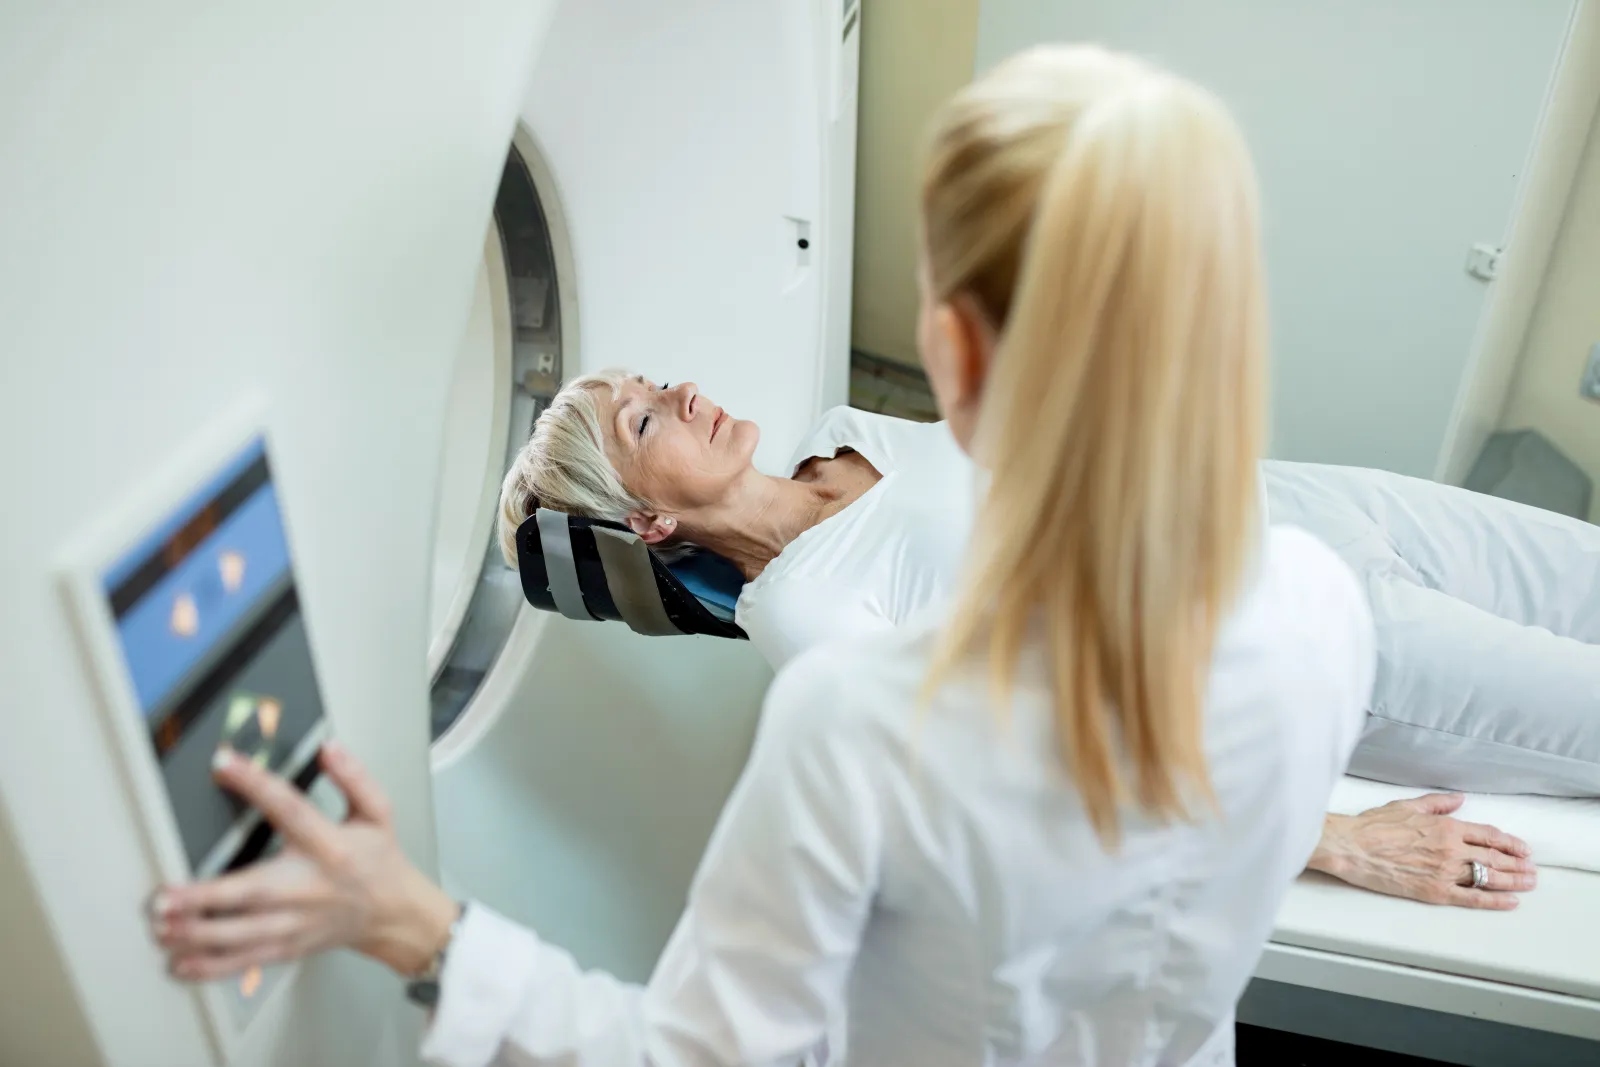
column 208, row 618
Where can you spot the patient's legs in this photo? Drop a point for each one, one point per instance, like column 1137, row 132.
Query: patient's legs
column 1521, row 563
column 1488, row 628
column 1466, row 699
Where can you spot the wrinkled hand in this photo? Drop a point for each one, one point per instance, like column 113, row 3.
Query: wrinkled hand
column 1413, row 849
column 331, row 886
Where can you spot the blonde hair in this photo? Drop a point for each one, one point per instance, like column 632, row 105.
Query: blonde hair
column 1101, row 214
column 564, row 466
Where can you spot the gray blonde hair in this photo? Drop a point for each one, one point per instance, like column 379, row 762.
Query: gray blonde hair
column 564, row 466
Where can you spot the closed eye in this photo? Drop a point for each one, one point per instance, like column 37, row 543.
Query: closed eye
column 646, row 420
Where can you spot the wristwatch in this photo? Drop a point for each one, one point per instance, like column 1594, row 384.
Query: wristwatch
column 422, row 988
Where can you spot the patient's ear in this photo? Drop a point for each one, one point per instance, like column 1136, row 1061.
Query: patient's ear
column 652, row 529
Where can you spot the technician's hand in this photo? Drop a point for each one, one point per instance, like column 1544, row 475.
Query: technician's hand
column 332, row 886
column 1413, row 849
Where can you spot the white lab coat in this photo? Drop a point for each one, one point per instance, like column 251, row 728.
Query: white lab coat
column 919, row 886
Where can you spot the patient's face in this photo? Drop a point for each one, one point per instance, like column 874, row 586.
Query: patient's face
column 673, row 446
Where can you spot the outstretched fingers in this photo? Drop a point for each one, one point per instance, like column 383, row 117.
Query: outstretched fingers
column 208, row 967
column 1433, row 803
column 251, row 889
column 284, row 806
column 1489, row 837
column 1503, row 872
column 196, row 934
column 361, row 791
column 1467, row 897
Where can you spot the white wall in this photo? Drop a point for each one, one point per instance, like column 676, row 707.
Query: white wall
column 914, row 54
column 1552, row 170
column 1390, row 137
column 1566, row 323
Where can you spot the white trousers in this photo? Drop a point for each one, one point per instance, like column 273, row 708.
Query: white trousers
column 1488, row 628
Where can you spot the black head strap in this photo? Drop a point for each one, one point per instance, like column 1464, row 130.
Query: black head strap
column 564, row 570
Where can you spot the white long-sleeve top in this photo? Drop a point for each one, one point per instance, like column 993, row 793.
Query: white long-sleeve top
column 921, row 886
column 891, row 556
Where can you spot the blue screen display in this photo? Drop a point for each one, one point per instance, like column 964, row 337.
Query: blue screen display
column 190, row 611
column 117, row 575
column 216, row 559
column 208, row 617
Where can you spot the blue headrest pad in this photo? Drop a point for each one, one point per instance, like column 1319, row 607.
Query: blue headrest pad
column 713, row 580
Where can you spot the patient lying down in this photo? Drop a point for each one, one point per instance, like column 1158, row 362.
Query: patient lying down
column 1489, row 649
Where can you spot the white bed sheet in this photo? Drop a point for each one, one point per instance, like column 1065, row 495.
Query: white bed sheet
column 1560, row 831
column 1550, row 943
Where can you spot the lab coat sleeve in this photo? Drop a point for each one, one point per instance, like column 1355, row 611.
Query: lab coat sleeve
column 758, row 965
column 1347, row 656
column 502, row 983
column 1328, row 675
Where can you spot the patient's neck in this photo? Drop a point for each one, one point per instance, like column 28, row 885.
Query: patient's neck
column 764, row 513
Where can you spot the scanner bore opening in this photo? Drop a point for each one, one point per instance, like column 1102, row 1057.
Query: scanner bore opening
column 509, row 368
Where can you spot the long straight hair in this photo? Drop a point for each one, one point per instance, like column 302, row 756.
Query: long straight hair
column 1102, row 215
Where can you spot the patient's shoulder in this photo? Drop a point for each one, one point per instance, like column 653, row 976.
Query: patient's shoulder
column 887, row 442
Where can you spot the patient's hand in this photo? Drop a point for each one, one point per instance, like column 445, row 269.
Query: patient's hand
column 1413, row 849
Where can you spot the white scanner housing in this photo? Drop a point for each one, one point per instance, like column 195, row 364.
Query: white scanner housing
column 297, row 229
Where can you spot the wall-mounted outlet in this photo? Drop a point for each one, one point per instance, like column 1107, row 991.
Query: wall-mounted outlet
column 1483, row 261
column 1590, row 389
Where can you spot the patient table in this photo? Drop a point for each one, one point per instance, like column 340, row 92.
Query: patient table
column 1519, row 988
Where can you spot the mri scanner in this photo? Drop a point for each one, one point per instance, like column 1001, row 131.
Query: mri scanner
column 282, row 288
column 282, row 291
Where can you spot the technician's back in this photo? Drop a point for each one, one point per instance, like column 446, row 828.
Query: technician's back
column 1138, row 707
column 1001, row 929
